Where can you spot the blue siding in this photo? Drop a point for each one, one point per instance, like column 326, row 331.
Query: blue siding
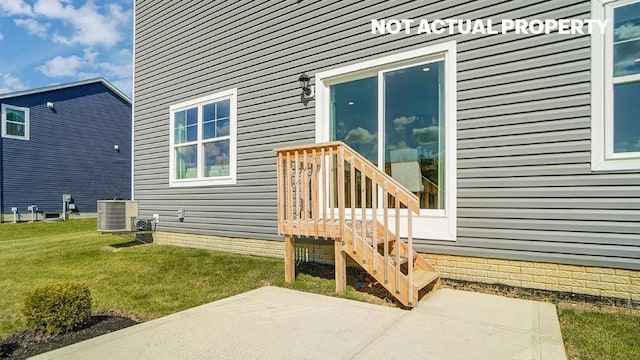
column 70, row 150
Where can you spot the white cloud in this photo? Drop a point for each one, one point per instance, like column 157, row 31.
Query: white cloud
column 1, row 36
column 427, row 134
column 74, row 65
column 10, row 83
column 116, row 70
column 360, row 136
column 401, row 123
column 90, row 56
column 627, row 31
column 33, row 27
column 14, row 7
column 90, row 27
column 61, row 66
column 88, row 67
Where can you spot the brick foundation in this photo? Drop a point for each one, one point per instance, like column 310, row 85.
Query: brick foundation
column 234, row 245
column 597, row 281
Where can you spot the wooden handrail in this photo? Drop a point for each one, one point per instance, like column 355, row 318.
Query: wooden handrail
column 407, row 198
column 302, row 177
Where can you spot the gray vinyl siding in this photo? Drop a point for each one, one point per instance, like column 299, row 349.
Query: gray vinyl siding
column 525, row 188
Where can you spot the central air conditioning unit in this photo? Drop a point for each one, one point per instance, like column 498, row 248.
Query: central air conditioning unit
column 117, row 215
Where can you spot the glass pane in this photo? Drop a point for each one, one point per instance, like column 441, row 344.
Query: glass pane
column 626, row 118
column 186, row 162
column 354, row 120
column 208, row 112
column 209, row 129
column 354, row 115
column 192, row 116
column 186, row 129
column 15, row 129
column 179, row 119
column 222, row 127
column 15, row 116
column 626, row 55
column 216, row 120
column 216, row 158
column 222, row 109
column 414, row 130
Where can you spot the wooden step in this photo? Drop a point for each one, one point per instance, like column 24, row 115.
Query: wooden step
column 424, row 278
column 403, row 259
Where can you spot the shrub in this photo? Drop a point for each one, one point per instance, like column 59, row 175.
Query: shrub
column 58, row 308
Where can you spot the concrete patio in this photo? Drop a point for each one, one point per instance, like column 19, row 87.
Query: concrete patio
column 276, row 323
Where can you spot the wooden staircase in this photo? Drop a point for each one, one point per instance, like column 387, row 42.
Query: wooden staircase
column 330, row 191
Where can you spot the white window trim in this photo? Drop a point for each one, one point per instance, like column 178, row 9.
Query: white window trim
column 445, row 224
column 602, row 155
column 26, row 122
column 232, row 95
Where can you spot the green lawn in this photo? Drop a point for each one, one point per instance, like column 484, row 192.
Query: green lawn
column 143, row 281
column 148, row 281
column 600, row 336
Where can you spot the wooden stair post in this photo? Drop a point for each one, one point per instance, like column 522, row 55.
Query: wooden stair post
column 289, row 258
column 310, row 178
column 341, row 267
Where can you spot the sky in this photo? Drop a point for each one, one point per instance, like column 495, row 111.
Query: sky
column 49, row 42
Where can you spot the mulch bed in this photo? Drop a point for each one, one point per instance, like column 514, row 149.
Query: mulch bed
column 365, row 283
column 28, row 343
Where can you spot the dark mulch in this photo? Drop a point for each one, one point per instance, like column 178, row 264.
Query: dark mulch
column 365, row 283
column 28, row 343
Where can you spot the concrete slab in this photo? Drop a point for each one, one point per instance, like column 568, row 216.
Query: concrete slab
column 452, row 324
column 276, row 323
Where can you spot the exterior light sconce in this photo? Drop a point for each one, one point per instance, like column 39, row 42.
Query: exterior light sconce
column 50, row 105
column 116, row 148
column 304, row 80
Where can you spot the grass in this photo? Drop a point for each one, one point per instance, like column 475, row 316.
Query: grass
column 149, row 281
column 142, row 281
column 600, row 335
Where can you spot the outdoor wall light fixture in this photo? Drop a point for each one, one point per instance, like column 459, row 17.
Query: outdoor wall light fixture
column 304, row 84
column 50, row 105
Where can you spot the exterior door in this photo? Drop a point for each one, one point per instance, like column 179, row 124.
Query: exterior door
column 396, row 117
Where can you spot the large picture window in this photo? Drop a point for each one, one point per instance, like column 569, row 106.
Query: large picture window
column 399, row 112
column 616, row 87
column 15, row 122
column 203, row 141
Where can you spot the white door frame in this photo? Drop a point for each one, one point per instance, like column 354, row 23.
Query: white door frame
column 430, row 224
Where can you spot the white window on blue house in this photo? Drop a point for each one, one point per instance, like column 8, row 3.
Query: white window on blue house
column 203, row 140
column 15, row 122
column 615, row 118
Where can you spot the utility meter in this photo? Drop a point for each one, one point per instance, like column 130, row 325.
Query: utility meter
column 66, row 198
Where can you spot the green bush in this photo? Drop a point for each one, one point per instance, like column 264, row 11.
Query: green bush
column 58, row 308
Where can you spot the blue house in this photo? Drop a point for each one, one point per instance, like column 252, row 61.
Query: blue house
column 72, row 138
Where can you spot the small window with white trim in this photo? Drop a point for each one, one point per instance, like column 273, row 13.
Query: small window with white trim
column 203, row 140
column 15, row 122
column 615, row 134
